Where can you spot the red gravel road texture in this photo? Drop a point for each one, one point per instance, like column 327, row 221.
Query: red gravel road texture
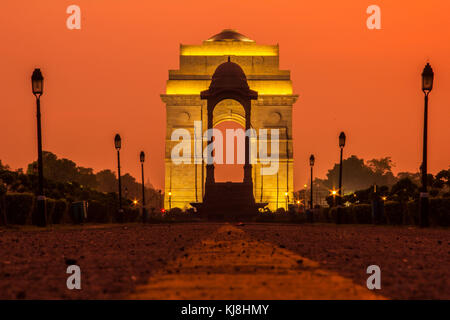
column 225, row 261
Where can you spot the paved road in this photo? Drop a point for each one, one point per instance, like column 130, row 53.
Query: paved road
column 229, row 264
column 224, row 261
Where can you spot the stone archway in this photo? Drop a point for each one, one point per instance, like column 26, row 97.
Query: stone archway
column 229, row 121
column 185, row 183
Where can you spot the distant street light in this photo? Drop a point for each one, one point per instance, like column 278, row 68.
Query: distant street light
column 341, row 146
column 118, row 145
column 286, row 196
column 312, row 159
column 333, row 193
column 144, row 211
column 170, row 200
column 37, row 83
column 427, row 86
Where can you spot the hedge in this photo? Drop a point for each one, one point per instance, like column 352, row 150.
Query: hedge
column 132, row 214
column 98, row 212
column 438, row 213
column 19, row 207
column 362, row 213
column 59, row 212
column 412, row 213
column 50, row 209
column 394, row 212
column 323, row 215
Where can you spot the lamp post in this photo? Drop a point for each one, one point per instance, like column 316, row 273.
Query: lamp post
column 339, row 208
column 118, row 145
column 312, row 159
column 144, row 211
column 286, row 196
column 170, row 200
column 427, row 86
column 37, row 84
column 341, row 146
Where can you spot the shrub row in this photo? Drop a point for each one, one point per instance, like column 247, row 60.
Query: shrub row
column 394, row 213
column 21, row 209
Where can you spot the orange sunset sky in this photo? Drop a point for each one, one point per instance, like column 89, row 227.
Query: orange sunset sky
column 107, row 77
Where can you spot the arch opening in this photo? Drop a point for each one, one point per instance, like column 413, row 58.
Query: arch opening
column 229, row 119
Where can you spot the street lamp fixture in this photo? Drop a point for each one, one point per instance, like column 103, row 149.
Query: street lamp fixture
column 118, row 145
column 286, row 196
column 170, row 200
column 333, row 192
column 117, row 142
column 427, row 86
column 37, row 85
column 37, row 82
column 342, row 139
column 144, row 211
column 427, row 79
column 312, row 159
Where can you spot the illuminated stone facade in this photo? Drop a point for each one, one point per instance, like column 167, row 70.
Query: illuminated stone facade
column 184, row 183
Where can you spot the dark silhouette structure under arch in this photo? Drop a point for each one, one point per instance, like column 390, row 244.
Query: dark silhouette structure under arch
column 229, row 200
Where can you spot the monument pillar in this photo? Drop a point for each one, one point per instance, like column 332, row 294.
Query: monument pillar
column 209, row 164
column 247, row 165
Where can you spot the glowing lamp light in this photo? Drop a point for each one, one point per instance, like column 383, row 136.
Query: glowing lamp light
column 312, row 159
column 384, row 198
column 286, row 194
column 333, row 192
column 342, row 139
column 298, row 201
column 37, row 82
column 135, row 202
column 427, row 78
column 170, row 194
column 305, row 185
column 117, row 142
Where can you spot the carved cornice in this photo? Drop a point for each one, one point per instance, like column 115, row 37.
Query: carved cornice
column 182, row 99
column 276, row 100
column 194, row 100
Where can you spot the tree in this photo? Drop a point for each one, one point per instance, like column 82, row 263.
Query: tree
column 414, row 177
column 64, row 170
column 381, row 166
column 86, row 177
column 356, row 175
column 58, row 170
column 442, row 179
column 404, row 189
column 3, row 167
column 106, row 181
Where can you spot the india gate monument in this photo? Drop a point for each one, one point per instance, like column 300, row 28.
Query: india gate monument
column 229, row 77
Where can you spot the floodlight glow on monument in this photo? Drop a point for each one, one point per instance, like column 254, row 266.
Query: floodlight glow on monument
column 272, row 109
